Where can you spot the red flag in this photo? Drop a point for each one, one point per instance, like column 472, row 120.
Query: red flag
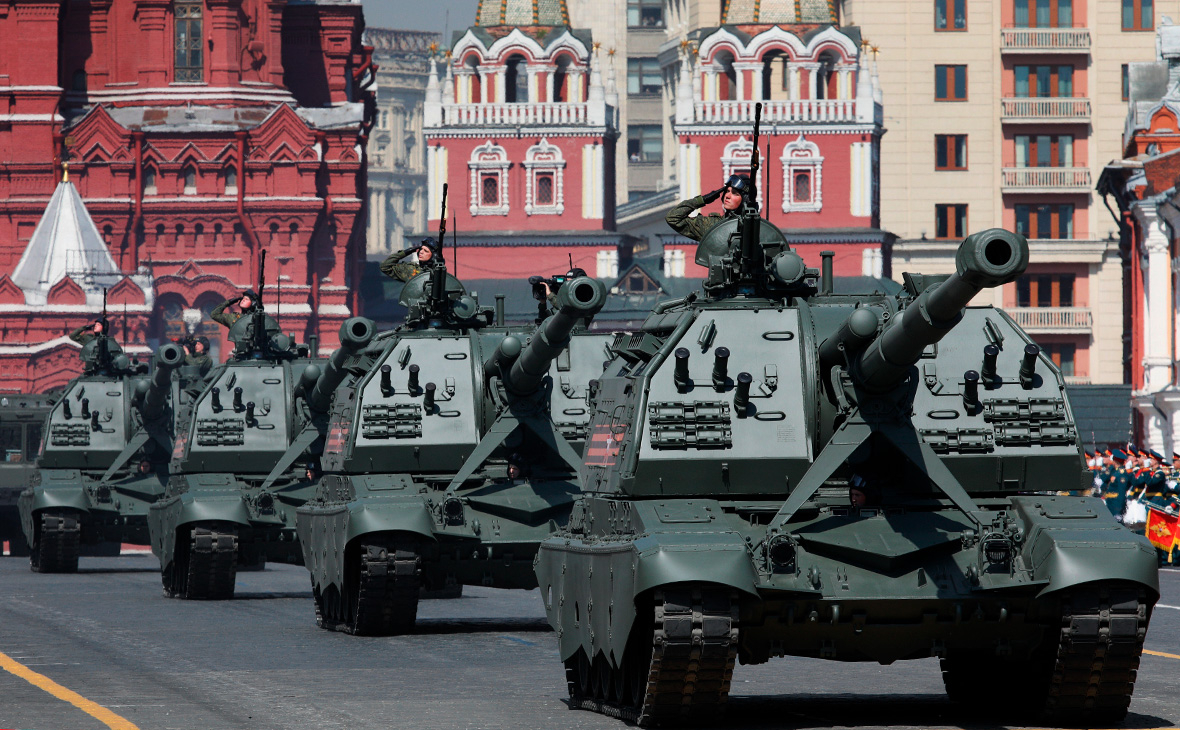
column 1163, row 528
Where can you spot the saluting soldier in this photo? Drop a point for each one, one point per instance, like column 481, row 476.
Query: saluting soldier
column 88, row 332
column 226, row 317
column 405, row 265
column 682, row 221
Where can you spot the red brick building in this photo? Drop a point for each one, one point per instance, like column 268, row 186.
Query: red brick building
column 523, row 127
column 198, row 133
column 821, row 129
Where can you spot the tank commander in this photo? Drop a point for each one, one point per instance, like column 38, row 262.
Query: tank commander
column 731, row 193
column 224, row 316
column 405, row 265
column 88, row 332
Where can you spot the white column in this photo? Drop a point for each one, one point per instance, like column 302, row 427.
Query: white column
column 1157, row 361
column 710, row 90
column 755, row 69
column 793, row 73
column 485, row 78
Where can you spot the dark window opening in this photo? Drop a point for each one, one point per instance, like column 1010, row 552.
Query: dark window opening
column 950, row 14
column 802, row 187
column 950, row 152
column 490, row 190
column 643, row 76
column 645, row 13
column 1044, row 81
column 544, row 194
column 189, row 64
column 1043, row 13
column 950, row 82
column 1052, row 221
column 950, row 220
column 1138, row 15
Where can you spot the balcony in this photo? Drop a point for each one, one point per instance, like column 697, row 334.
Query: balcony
column 1053, row 320
column 1045, row 40
column 508, row 114
column 1039, row 110
column 1045, row 180
column 788, row 110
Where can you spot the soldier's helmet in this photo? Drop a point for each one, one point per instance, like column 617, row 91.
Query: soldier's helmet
column 739, row 184
column 253, row 297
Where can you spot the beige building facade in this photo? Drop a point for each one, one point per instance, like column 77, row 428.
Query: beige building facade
column 397, row 150
column 1004, row 113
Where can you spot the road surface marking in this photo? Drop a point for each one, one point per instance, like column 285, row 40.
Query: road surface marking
column 95, row 710
column 1161, row 653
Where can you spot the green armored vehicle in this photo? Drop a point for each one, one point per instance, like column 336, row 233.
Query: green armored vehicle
column 244, row 461
column 22, row 418
column 775, row 470
column 452, row 452
column 105, row 455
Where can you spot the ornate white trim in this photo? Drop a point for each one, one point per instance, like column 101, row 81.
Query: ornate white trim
column 776, row 35
column 735, row 159
column 488, row 158
column 544, row 157
column 802, row 155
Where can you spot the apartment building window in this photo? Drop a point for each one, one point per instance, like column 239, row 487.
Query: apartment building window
column 950, row 220
column 1044, row 150
column 950, row 152
column 643, row 76
column 645, row 143
column 1045, row 220
column 950, row 83
column 1044, row 13
column 1138, row 15
column 1043, row 81
column 950, row 14
column 1126, row 82
column 645, row 13
column 189, row 65
column 1045, row 290
column 1062, row 354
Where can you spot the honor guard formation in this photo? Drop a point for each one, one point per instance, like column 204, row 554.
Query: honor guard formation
column 763, row 468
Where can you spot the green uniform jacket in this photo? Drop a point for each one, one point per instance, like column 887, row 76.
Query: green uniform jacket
column 83, row 334
column 394, row 267
column 693, row 227
column 222, row 317
column 203, row 362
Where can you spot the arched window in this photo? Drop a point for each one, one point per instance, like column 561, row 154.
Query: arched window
column 188, row 38
column 544, row 179
column 190, row 180
column 230, row 176
column 516, row 81
column 489, row 180
column 149, row 181
column 560, row 74
column 802, row 177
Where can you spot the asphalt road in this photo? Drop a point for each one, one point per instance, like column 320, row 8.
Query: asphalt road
column 484, row 661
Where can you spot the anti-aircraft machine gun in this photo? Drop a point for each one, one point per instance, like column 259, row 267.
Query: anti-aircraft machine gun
column 451, row 453
column 242, row 463
column 105, row 454
column 773, row 469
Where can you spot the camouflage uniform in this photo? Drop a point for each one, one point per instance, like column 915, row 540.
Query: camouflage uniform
column 204, row 363
column 403, row 270
column 223, row 317
column 83, row 334
column 694, row 227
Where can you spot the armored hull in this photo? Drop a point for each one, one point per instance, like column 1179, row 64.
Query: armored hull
column 776, row 471
column 22, row 421
column 237, row 475
column 103, row 463
column 418, row 492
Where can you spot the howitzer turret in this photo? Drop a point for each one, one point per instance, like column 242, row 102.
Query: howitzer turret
column 576, row 300
column 155, row 398
column 985, row 260
column 355, row 333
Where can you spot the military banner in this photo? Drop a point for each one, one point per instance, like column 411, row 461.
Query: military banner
column 1163, row 528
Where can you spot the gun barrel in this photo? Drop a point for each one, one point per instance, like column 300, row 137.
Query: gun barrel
column 355, row 334
column 167, row 358
column 984, row 260
column 577, row 299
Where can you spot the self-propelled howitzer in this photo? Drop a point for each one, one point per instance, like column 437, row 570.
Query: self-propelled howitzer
column 105, row 457
column 245, row 461
column 776, row 470
column 450, row 456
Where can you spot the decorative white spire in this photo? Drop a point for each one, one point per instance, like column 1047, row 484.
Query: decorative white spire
column 432, row 105
column 66, row 243
column 595, row 94
column 685, row 94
